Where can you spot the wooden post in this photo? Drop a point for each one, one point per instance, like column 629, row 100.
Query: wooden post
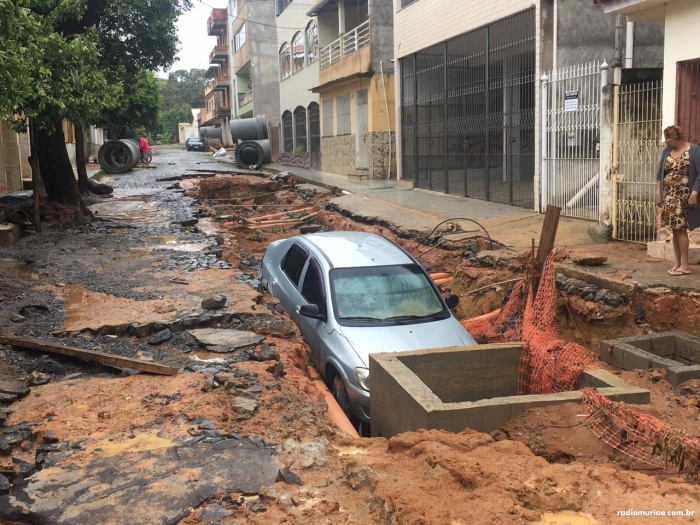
column 549, row 233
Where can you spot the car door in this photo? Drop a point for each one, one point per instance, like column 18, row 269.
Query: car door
column 313, row 291
column 286, row 287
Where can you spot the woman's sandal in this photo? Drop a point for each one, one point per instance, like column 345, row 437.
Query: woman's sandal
column 677, row 272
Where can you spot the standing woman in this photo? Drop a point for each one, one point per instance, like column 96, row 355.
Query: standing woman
column 677, row 193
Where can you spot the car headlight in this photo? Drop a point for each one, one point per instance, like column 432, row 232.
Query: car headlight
column 362, row 378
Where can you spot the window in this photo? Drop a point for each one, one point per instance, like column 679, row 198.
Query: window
column 287, row 132
column 312, row 289
column 298, row 50
column 300, row 128
column 285, row 61
column 328, row 118
column 281, row 5
column 401, row 293
column 343, row 108
column 312, row 41
column 404, row 3
column 239, row 38
column 294, row 261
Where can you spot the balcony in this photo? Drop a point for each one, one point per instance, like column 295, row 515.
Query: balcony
column 346, row 45
column 245, row 98
column 219, row 55
column 218, row 83
column 223, row 112
column 217, row 22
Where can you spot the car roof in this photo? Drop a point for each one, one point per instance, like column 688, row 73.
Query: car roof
column 357, row 249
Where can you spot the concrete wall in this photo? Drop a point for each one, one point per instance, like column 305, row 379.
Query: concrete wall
column 682, row 43
column 585, row 33
column 381, row 32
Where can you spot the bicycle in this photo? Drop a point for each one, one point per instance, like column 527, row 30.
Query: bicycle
column 146, row 158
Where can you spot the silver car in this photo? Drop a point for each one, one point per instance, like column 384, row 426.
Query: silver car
column 353, row 294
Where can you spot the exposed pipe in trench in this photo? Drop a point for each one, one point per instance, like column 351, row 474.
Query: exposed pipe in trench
column 335, row 413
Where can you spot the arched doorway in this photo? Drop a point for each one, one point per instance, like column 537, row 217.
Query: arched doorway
column 314, row 136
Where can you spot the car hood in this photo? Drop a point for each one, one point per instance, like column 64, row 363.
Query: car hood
column 367, row 340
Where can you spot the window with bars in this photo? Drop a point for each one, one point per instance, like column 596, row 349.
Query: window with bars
column 239, row 38
column 327, row 108
column 287, row 132
column 312, row 41
column 342, row 107
column 285, row 61
column 300, row 145
column 298, row 52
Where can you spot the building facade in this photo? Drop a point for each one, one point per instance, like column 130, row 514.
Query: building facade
column 679, row 21
column 256, row 88
column 217, row 93
column 468, row 92
column 356, row 87
column 300, row 121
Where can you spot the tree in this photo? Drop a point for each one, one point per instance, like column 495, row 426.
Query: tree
column 171, row 118
column 84, row 50
column 185, row 87
column 139, row 103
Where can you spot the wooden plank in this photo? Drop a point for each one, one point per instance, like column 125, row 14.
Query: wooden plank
column 549, row 233
column 88, row 355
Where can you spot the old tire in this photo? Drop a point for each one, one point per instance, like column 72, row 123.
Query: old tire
column 340, row 393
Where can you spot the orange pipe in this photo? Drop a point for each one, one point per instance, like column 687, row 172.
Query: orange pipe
column 440, row 282
column 280, row 214
column 434, row 276
column 486, row 317
column 334, row 411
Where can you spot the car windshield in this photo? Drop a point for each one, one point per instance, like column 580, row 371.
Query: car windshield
column 384, row 293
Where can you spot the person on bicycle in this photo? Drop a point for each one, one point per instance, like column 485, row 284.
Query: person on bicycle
column 143, row 145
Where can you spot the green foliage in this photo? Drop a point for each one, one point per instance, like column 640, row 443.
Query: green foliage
column 183, row 87
column 170, row 120
column 138, row 104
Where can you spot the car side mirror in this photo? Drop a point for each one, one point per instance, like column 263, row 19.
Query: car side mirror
column 312, row 311
column 452, row 301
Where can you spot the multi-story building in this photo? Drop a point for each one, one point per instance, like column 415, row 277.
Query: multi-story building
column 217, row 92
column 297, row 34
column 355, row 86
column 256, row 89
column 468, row 91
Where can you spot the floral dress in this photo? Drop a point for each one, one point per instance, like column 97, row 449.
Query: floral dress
column 674, row 205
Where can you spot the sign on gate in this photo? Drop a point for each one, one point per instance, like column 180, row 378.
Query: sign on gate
column 571, row 101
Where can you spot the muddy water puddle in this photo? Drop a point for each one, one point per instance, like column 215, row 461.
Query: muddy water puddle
column 10, row 265
column 566, row 518
column 170, row 242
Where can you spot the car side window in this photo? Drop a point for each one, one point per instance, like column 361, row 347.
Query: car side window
column 312, row 289
column 294, row 261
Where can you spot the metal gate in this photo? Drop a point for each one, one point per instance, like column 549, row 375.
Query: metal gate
column 571, row 110
column 635, row 159
column 468, row 113
column 314, row 136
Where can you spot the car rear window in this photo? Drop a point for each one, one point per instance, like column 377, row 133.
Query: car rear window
column 294, row 261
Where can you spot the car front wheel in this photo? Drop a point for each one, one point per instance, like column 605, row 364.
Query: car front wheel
column 340, row 394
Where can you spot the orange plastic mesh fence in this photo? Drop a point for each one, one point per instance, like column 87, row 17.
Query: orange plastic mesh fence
column 641, row 436
column 548, row 364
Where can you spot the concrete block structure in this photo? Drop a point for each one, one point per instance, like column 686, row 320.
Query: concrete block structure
column 678, row 354
column 466, row 387
column 356, row 87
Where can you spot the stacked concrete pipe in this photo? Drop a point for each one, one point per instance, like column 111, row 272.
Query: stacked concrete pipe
column 253, row 146
column 119, row 156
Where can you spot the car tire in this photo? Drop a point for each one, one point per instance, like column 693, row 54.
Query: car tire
column 340, row 394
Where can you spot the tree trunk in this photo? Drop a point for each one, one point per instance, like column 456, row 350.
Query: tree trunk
column 80, row 160
column 55, row 166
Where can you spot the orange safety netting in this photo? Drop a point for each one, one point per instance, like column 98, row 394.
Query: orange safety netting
column 548, row 364
column 641, row 436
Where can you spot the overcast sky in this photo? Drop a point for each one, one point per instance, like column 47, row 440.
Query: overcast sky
column 195, row 44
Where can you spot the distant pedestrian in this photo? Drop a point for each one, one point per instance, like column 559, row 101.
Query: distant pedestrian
column 678, row 185
column 143, row 145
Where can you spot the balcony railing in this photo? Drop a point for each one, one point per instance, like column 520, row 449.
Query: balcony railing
column 245, row 98
column 219, row 54
column 216, row 23
column 346, row 45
